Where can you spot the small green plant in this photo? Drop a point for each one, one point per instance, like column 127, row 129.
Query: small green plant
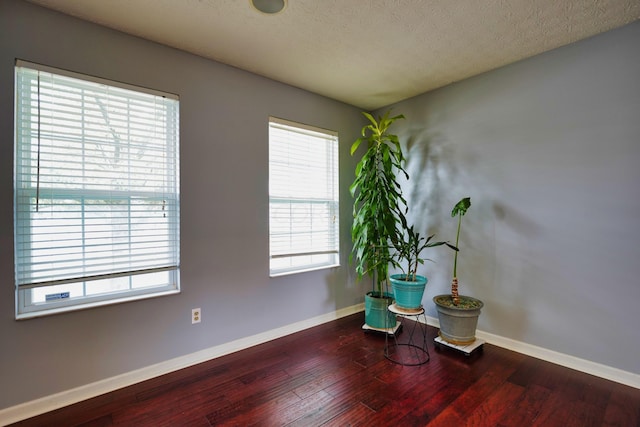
column 379, row 205
column 458, row 210
column 408, row 252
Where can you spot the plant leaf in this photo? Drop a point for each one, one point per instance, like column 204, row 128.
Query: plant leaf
column 355, row 145
column 461, row 207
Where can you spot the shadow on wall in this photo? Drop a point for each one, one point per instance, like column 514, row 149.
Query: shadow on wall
column 431, row 168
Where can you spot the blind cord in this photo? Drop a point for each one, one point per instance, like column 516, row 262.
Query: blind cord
column 38, row 159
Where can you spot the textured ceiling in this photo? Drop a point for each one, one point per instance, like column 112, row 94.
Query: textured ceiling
column 368, row 53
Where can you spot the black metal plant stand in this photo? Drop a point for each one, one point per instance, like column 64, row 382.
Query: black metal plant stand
column 414, row 350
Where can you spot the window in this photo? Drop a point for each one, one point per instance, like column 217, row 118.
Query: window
column 303, row 197
column 96, row 191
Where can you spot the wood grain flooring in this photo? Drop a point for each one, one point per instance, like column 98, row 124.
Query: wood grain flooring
column 336, row 375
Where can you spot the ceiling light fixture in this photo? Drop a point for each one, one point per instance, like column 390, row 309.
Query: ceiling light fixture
column 269, row 6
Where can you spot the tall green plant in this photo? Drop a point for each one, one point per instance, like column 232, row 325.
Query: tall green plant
column 379, row 205
column 458, row 210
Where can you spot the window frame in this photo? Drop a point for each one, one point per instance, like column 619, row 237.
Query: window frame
column 25, row 304
column 319, row 255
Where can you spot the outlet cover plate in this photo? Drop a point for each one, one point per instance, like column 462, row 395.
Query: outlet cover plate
column 196, row 315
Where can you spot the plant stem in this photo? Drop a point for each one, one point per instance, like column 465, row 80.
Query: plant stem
column 455, row 256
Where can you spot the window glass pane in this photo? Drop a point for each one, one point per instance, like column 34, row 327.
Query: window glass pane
column 105, row 286
column 39, row 295
column 160, row 278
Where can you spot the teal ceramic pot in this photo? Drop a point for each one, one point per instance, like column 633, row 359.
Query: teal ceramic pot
column 376, row 314
column 408, row 293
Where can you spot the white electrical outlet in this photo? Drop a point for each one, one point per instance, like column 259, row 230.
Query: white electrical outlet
column 196, row 315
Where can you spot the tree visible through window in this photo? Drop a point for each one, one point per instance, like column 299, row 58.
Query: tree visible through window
column 303, row 197
column 96, row 191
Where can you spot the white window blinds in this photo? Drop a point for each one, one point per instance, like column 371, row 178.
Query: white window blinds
column 96, row 187
column 303, row 197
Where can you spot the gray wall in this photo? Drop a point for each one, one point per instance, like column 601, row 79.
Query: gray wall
column 549, row 151
column 224, row 213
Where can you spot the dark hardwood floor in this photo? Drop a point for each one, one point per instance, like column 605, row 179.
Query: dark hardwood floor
column 336, row 375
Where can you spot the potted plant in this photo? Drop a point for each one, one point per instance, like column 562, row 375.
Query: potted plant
column 377, row 210
column 408, row 287
column 458, row 314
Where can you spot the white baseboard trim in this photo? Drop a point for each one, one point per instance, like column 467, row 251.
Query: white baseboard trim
column 572, row 362
column 68, row 397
